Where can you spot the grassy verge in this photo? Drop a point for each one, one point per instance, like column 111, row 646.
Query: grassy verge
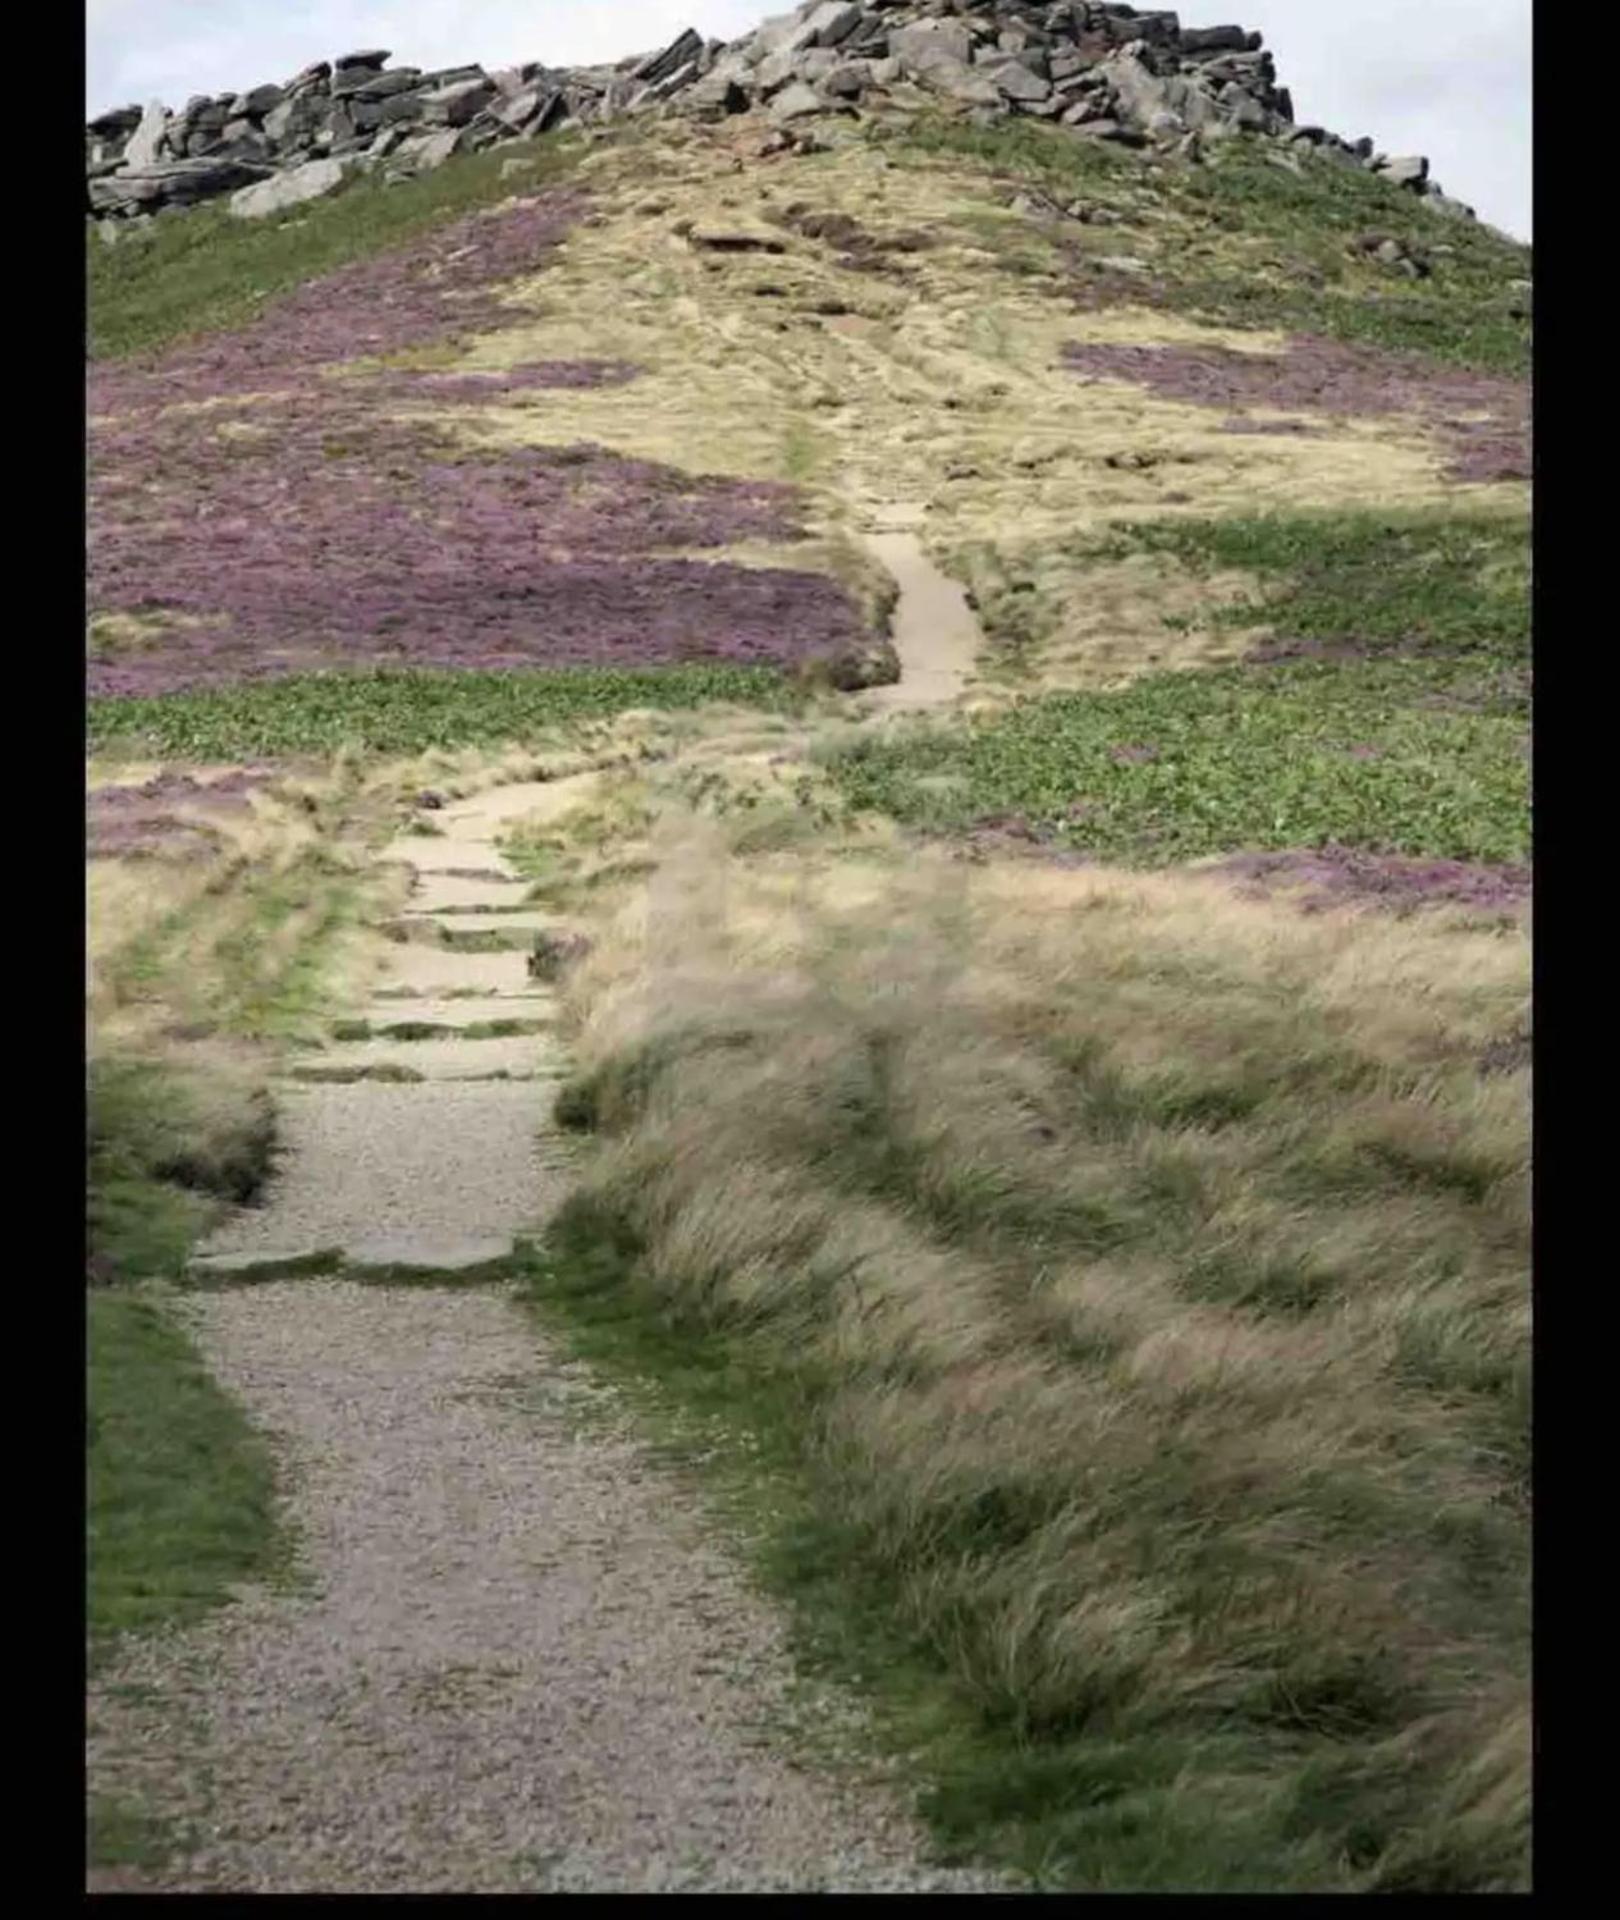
column 407, row 711
column 1245, row 242
column 1109, row 1301
column 180, row 1486
column 168, row 1151
column 202, row 270
column 1393, row 714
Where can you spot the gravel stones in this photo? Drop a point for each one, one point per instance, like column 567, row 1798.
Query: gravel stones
column 369, row 1162
column 519, row 1661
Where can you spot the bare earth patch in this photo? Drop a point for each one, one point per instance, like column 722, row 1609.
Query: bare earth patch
column 1337, row 876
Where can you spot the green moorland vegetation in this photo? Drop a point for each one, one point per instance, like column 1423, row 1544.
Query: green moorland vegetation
column 1399, row 723
column 179, row 1487
column 406, row 712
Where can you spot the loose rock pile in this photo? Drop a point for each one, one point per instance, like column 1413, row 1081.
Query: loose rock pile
column 1106, row 72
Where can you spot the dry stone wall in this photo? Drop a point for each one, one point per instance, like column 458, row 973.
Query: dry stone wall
column 1105, row 72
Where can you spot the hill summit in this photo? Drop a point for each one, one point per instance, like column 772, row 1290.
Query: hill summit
column 1108, row 73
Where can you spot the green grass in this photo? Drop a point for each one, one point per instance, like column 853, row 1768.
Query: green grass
column 269, row 933
column 1244, row 242
column 408, row 711
column 180, row 1485
column 1412, row 742
column 1446, row 585
column 122, row 1834
column 201, row 270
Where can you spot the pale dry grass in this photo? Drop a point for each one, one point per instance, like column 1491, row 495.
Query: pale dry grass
column 1157, row 1261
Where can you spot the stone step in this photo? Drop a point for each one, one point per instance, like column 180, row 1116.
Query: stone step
column 432, row 971
column 519, row 1055
column 512, row 931
column 527, row 802
column 393, row 1255
column 428, row 853
column 455, row 1014
column 458, row 1165
column 447, row 892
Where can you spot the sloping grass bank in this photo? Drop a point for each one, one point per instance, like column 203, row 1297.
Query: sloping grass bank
column 1116, row 1295
column 1248, row 242
column 202, row 270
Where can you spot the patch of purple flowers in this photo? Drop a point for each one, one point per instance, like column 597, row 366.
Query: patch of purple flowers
column 1349, row 875
column 1329, row 377
column 135, row 821
column 298, row 522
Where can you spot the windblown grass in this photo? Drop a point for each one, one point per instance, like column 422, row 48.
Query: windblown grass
column 1131, row 1280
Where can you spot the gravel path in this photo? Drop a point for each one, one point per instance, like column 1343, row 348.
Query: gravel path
column 516, row 1664
column 516, row 1660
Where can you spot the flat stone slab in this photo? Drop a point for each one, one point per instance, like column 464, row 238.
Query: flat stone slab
column 484, row 816
column 464, row 1011
column 455, row 1165
column 526, row 1054
column 431, row 972
column 445, row 892
column 527, row 920
column 428, row 853
column 423, row 1255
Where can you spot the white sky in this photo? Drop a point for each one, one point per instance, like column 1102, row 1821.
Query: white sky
column 1449, row 78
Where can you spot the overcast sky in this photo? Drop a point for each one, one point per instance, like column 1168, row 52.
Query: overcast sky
column 1449, row 78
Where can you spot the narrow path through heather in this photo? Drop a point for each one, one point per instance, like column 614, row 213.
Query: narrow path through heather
column 515, row 1660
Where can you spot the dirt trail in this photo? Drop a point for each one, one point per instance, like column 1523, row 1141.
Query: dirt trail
column 935, row 631
column 513, row 1662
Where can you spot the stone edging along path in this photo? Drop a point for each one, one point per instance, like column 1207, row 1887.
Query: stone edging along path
column 514, row 1662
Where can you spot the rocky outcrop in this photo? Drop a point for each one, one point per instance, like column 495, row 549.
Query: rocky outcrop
column 1106, row 72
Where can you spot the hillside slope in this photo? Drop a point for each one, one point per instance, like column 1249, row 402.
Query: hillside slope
column 1051, row 1146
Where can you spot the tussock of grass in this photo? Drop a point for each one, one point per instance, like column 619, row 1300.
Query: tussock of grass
column 1398, row 725
column 202, row 270
column 169, row 1150
column 1133, row 1280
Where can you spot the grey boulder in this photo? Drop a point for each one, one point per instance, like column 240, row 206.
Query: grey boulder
column 145, row 145
column 283, row 190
